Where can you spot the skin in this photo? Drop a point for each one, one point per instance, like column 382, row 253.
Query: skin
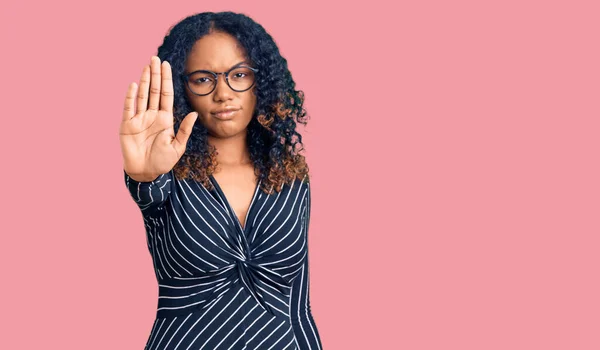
column 219, row 52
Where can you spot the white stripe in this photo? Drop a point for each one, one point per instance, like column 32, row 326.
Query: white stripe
column 164, row 333
column 214, row 318
column 204, row 314
column 270, row 334
column 157, row 331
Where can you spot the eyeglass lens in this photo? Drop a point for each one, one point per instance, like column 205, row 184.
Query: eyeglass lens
column 240, row 79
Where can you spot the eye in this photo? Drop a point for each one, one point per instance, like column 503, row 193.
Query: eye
column 241, row 74
column 201, row 80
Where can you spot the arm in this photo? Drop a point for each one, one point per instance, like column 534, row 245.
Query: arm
column 301, row 317
column 150, row 195
column 305, row 329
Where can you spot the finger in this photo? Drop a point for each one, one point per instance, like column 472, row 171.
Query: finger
column 142, row 94
column 184, row 132
column 154, row 83
column 166, row 97
column 129, row 108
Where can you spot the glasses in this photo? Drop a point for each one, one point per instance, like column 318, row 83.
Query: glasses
column 203, row 82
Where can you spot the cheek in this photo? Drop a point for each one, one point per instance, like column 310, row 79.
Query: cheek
column 250, row 103
column 199, row 106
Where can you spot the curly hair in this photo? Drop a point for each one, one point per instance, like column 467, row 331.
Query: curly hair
column 273, row 142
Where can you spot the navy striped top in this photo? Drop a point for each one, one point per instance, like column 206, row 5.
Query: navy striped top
column 221, row 285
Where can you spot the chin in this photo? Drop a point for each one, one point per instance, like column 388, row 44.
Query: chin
column 225, row 131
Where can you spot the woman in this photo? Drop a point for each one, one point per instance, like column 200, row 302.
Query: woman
column 211, row 157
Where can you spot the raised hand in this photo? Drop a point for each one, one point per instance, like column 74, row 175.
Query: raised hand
column 148, row 141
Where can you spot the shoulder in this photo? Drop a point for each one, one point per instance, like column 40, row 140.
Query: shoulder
column 302, row 182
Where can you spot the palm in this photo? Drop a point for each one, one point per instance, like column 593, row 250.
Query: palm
column 148, row 142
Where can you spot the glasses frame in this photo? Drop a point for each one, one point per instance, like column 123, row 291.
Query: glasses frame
column 186, row 78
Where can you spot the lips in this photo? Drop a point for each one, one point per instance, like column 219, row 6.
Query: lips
column 225, row 114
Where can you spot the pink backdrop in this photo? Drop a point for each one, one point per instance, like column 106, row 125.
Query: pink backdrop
column 453, row 147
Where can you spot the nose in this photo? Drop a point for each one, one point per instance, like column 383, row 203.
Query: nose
column 222, row 90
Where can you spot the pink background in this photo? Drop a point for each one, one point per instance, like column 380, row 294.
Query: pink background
column 453, row 147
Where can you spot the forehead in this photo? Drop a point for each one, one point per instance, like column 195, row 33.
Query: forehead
column 216, row 51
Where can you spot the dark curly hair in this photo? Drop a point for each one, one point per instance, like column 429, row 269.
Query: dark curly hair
column 272, row 139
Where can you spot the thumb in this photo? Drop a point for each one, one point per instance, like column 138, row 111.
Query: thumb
column 184, row 132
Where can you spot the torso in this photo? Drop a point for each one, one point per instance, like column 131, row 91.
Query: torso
column 238, row 184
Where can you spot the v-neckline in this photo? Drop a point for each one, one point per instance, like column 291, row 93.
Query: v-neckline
column 222, row 194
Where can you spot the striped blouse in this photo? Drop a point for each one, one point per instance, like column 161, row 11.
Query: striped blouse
column 221, row 285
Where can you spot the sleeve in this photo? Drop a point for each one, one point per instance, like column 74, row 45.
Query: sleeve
column 303, row 323
column 149, row 196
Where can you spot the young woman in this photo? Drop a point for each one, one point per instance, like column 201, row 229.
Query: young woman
column 211, row 157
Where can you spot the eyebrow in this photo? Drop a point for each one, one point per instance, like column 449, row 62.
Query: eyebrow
column 242, row 62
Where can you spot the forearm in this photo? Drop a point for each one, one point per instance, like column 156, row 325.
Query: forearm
column 305, row 329
column 303, row 323
column 150, row 194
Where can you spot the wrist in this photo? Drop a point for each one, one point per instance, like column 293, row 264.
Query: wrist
column 142, row 177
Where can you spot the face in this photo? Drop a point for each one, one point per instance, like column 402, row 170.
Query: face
column 218, row 52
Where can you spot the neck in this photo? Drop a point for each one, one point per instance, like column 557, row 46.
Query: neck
column 231, row 151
